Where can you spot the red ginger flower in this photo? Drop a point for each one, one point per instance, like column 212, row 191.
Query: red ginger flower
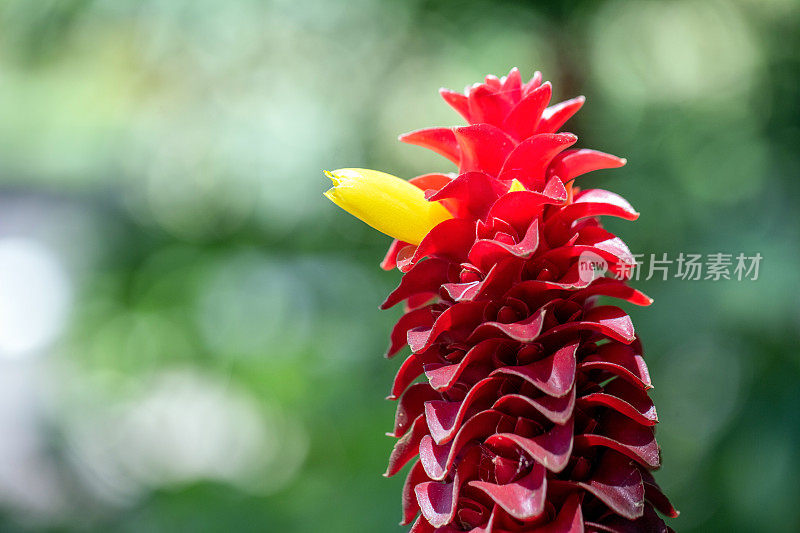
column 534, row 414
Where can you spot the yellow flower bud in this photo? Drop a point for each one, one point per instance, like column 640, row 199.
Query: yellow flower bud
column 387, row 203
column 517, row 185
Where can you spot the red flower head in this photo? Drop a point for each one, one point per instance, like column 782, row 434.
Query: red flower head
column 534, row 413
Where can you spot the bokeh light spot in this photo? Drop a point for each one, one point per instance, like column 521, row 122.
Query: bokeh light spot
column 34, row 297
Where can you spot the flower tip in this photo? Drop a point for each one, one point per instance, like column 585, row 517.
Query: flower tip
column 334, row 178
column 329, row 194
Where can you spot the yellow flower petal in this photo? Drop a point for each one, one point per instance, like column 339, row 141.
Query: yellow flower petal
column 516, row 185
column 387, row 203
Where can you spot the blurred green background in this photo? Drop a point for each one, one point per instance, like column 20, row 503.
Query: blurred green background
column 189, row 333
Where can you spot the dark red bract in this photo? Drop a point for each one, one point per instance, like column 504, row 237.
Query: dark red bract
column 533, row 412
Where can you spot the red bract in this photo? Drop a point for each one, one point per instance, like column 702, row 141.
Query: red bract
column 534, row 412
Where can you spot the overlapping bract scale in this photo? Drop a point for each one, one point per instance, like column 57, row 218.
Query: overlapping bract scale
column 523, row 405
